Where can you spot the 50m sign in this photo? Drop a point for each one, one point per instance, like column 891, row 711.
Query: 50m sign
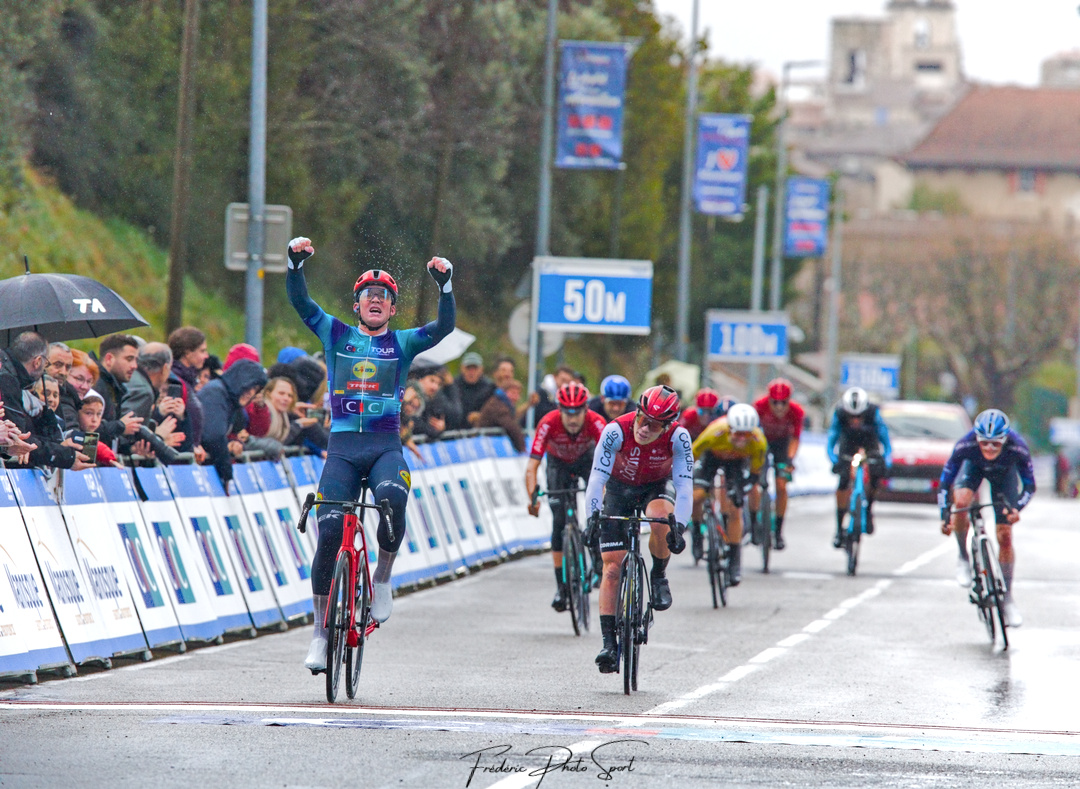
column 593, row 295
column 592, row 301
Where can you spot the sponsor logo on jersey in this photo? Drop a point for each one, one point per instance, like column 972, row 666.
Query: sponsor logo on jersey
column 361, row 386
column 352, row 406
column 384, row 351
column 364, row 370
column 350, row 348
column 406, row 476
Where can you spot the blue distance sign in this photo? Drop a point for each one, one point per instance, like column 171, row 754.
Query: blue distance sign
column 744, row 336
column 806, row 225
column 722, row 153
column 593, row 295
column 874, row 372
column 592, row 88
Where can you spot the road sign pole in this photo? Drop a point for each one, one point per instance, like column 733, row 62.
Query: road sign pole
column 253, row 279
column 757, row 289
column 682, row 306
column 831, row 372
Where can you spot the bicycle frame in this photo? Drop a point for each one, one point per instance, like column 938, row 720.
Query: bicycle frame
column 988, row 588
column 857, row 511
column 576, row 567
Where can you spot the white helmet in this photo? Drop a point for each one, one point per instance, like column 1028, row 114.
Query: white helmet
column 742, row 418
column 855, row 400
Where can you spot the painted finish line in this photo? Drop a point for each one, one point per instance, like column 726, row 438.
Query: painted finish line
column 576, row 725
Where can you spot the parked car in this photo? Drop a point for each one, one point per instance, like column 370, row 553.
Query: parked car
column 923, row 435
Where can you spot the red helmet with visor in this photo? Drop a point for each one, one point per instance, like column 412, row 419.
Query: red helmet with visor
column 780, row 389
column 572, row 395
column 660, row 403
column 376, row 277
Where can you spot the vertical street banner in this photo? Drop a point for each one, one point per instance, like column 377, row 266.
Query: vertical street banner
column 592, row 91
column 720, row 173
column 806, row 224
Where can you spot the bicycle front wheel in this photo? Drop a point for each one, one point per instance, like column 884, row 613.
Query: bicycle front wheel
column 765, row 528
column 572, row 576
column 337, row 625
column 354, row 656
column 981, row 585
column 628, row 616
column 715, row 563
column 995, row 590
column 854, row 532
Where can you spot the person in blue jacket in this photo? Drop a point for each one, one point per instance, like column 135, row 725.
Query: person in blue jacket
column 857, row 424
column 223, row 401
column 995, row 452
column 367, row 367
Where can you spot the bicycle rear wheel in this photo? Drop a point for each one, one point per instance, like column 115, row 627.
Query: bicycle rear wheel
column 995, row 588
column 337, row 625
column 571, row 576
column 853, row 538
column 715, row 562
column 582, row 576
column 354, row 656
column 627, row 620
column 980, row 587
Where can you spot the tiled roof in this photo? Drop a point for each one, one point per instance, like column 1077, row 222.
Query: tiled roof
column 1006, row 127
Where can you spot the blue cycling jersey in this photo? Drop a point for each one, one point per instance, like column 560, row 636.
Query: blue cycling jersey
column 366, row 374
column 1015, row 456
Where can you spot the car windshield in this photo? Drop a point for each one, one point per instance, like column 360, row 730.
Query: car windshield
column 925, row 424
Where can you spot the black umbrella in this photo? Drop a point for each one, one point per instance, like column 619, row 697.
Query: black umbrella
column 62, row 307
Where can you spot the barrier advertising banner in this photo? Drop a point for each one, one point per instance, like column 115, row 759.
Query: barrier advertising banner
column 592, row 87
column 723, row 152
column 143, row 566
column 467, row 510
column 29, row 635
column 293, row 593
column 184, row 577
column 304, row 481
column 191, row 491
column 98, row 552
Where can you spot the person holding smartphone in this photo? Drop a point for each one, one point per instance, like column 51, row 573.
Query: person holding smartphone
column 90, row 413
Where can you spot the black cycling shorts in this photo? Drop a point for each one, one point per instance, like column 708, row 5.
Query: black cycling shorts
column 1004, row 484
column 707, row 465
column 625, row 500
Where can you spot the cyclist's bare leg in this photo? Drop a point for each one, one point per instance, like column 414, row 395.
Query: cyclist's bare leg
column 781, row 497
column 698, row 513
column 609, row 586
column 958, row 523
column 1006, row 555
column 733, row 515
column 755, row 501
column 659, row 508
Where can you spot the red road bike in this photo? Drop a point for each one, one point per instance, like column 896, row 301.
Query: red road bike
column 348, row 610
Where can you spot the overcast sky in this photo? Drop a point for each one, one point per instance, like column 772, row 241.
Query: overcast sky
column 1002, row 41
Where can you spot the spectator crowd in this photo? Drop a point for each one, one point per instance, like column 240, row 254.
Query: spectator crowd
column 175, row 402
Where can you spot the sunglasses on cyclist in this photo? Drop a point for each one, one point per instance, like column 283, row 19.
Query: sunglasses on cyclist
column 572, row 411
column 382, row 294
column 652, row 425
column 991, row 444
column 777, row 403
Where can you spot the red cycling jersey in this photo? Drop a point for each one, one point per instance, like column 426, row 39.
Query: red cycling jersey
column 551, row 437
column 694, row 423
column 630, row 462
column 776, row 428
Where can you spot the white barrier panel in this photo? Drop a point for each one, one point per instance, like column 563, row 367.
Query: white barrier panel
column 262, row 605
column 293, row 594
column 416, row 562
column 502, row 531
column 420, row 521
column 143, row 567
column 304, row 481
column 511, row 468
column 492, row 485
column 191, row 492
column 76, row 612
column 813, row 470
column 191, row 595
column 97, row 550
column 477, row 520
column 284, row 514
column 474, row 547
column 428, row 480
column 29, row 636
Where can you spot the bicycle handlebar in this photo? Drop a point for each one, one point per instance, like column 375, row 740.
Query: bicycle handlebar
column 385, row 511
column 669, row 520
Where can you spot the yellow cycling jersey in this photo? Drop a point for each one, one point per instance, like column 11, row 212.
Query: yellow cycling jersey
column 716, row 438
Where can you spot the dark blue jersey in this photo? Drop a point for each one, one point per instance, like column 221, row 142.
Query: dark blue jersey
column 1015, row 455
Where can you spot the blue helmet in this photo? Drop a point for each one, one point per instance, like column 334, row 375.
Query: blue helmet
column 615, row 387
column 991, row 425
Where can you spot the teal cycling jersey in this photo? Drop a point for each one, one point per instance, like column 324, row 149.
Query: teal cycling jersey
column 366, row 375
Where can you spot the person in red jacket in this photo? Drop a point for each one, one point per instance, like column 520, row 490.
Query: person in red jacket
column 781, row 421
column 568, row 436
column 701, row 413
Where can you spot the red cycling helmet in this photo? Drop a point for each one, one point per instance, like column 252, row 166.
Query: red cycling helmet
column 707, row 398
column 660, row 403
column 572, row 395
column 375, row 276
column 780, row 389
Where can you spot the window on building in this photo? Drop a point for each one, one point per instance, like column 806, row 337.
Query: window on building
column 922, row 34
column 1026, row 181
column 855, row 68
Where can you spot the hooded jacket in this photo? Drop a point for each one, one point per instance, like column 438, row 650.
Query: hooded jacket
column 14, row 378
column 223, row 414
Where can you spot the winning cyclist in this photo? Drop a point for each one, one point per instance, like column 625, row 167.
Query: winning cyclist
column 568, row 436
column 694, row 419
column 994, row 452
column 857, row 424
column 366, row 365
column 614, row 398
column 733, row 444
column 781, row 422
column 644, row 459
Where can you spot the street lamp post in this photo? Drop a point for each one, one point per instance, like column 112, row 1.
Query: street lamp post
column 682, row 305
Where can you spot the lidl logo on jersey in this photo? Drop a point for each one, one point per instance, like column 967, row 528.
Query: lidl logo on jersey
column 364, row 370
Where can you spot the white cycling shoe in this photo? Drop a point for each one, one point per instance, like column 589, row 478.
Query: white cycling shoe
column 382, row 602
column 316, row 656
column 963, row 571
column 1012, row 614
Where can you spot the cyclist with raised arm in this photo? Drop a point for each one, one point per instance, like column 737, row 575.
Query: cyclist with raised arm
column 367, row 365
column 857, row 424
column 614, row 398
column 735, row 445
column 995, row 452
column 695, row 419
column 781, row 422
column 568, row 436
column 642, row 463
